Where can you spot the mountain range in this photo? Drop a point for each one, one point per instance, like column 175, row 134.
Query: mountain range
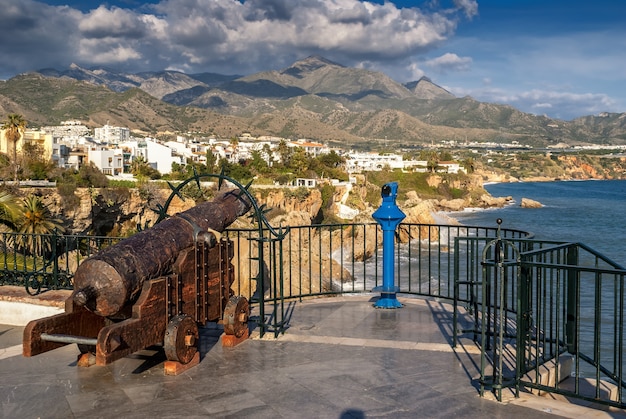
column 313, row 98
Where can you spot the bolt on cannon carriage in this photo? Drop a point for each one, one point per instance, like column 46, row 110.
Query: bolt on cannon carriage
column 155, row 287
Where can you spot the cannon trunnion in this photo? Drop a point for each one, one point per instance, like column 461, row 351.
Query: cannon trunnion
column 167, row 308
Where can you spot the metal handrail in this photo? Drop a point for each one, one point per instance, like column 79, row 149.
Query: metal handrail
column 555, row 300
column 567, row 305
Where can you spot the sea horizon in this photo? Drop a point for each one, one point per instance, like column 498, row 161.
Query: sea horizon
column 582, row 211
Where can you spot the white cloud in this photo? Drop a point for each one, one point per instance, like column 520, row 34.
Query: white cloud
column 470, row 7
column 449, row 62
column 114, row 22
column 107, row 53
column 223, row 36
column 542, row 105
column 416, row 72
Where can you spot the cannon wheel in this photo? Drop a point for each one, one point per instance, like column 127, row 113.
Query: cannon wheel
column 181, row 339
column 236, row 316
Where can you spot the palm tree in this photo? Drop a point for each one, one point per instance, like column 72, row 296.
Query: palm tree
column 10, row 210
column 15, row 124
column 469, row 165
column 36, row 222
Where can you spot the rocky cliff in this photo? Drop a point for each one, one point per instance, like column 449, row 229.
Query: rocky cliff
column 307, row 254
column 105, row 212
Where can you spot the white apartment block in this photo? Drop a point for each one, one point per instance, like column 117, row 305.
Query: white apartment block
column 109, row 161
column 111, row 135
column 359, row 162
column 194, row 151
column 156, row 155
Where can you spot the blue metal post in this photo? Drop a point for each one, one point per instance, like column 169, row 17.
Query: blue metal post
column 388, row 215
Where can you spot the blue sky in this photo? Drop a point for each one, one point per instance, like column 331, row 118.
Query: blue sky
column 562, row 58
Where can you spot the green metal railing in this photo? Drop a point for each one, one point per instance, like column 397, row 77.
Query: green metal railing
column 45, row 261
column 577, row 298
column 549, row 316
column 549, row 304
column 323, row 260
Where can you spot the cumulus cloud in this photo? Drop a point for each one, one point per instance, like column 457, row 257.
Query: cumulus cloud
column 35, row 35
column 115, row 22
column 228, row 36
column 449, row 62
column 469, row 7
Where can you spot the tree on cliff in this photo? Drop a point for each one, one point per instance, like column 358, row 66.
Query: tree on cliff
column 142, row 169
column 35, row 165
column 36, row 222
column 469, row 165
column 14, row 126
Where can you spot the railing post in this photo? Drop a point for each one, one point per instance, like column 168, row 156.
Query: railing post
column 524, row 320
column 571, row 323
column 55, row 260
column 455, row 301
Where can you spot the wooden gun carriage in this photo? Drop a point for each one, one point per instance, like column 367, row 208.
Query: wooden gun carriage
column 153, row 288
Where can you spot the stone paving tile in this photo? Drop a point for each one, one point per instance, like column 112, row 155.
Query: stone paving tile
column 10, row 335
column 267, row 378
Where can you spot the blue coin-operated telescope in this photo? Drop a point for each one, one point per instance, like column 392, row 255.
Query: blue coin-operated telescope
column 388, row 215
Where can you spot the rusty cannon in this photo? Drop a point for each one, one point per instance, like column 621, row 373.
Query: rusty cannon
column 153, row 288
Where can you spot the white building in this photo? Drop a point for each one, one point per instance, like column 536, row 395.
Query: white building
column 111, row 135
column 194, row 151
column 109, row 161
column 67, row 130
column 156, row 155
column 449, row 167
column 358, row 162
column 313, row 149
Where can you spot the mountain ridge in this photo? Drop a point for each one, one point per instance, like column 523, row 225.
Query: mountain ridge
column 313, row 97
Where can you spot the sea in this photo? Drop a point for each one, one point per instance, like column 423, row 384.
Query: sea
column 592, row 212
column 589, row 212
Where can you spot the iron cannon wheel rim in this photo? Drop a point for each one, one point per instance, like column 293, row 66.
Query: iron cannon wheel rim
column 181, row 339
column 236, row 316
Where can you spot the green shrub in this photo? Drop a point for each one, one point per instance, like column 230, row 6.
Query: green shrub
column 67, row 191
column 122, row 183
column 300, row 193
column 327, row 192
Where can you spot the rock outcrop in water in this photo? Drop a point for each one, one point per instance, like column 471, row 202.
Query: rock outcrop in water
column 529, row 203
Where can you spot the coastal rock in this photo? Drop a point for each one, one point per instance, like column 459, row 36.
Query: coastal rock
column 290, row 200
column 452, row 204
column 412, row 199
column 293, row 218
column 420, row 214
column 490, row 201
column 364, row 237
column 300, row 249
column 490, row 176
column 529, row 203
column 108, row 211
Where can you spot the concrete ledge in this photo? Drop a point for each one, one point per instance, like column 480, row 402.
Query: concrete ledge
column 19, row 314
column 17, row 308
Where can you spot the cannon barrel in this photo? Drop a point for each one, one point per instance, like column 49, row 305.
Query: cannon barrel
column 112, row 279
